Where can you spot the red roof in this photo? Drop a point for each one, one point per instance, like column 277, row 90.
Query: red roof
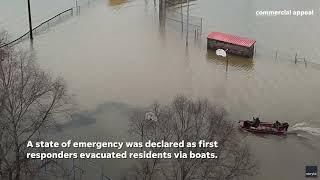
column 232, row 39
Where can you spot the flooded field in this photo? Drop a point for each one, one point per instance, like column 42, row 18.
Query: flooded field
column 117, row 55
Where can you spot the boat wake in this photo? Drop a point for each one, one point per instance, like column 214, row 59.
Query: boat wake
column 301, row 128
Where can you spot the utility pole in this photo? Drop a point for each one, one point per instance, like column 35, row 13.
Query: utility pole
column 30, row 21
column 187, row 39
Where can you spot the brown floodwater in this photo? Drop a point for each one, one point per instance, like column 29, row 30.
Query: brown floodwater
column 116, row 55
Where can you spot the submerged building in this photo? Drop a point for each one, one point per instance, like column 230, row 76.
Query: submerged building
column 233, row 44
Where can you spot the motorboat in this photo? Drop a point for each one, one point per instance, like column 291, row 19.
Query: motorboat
column 264, row 127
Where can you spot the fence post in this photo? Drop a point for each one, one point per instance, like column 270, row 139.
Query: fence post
column 195, row 34
column 188, row 8
column 200, row 26
column 181, row 15
column 30, row 21
column 227, row 64
column 78, row 7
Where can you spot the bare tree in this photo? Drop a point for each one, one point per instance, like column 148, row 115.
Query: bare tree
column 192, row 121
column 29, row 98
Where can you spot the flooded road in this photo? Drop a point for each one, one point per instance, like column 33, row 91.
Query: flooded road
column 115, row 55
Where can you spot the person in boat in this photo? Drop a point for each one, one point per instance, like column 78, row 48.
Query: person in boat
column 281, row 126
column 285, row 126
column 256, row 122
column 277, row 125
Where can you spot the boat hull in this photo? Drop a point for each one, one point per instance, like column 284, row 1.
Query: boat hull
column 263, row 128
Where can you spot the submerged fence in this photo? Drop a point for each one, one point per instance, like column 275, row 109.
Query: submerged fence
column 39, row 27
column 195, row 23
column 176, row 12
column 49, row 22
column 296, row 56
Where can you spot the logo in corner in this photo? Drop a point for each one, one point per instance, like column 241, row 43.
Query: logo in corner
column 311, row 171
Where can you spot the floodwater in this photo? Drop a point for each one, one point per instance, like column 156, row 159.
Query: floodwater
column 116, row 55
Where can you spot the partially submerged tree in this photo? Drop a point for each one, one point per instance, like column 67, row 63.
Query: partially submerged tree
column 29, row 100
column 188, row 120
